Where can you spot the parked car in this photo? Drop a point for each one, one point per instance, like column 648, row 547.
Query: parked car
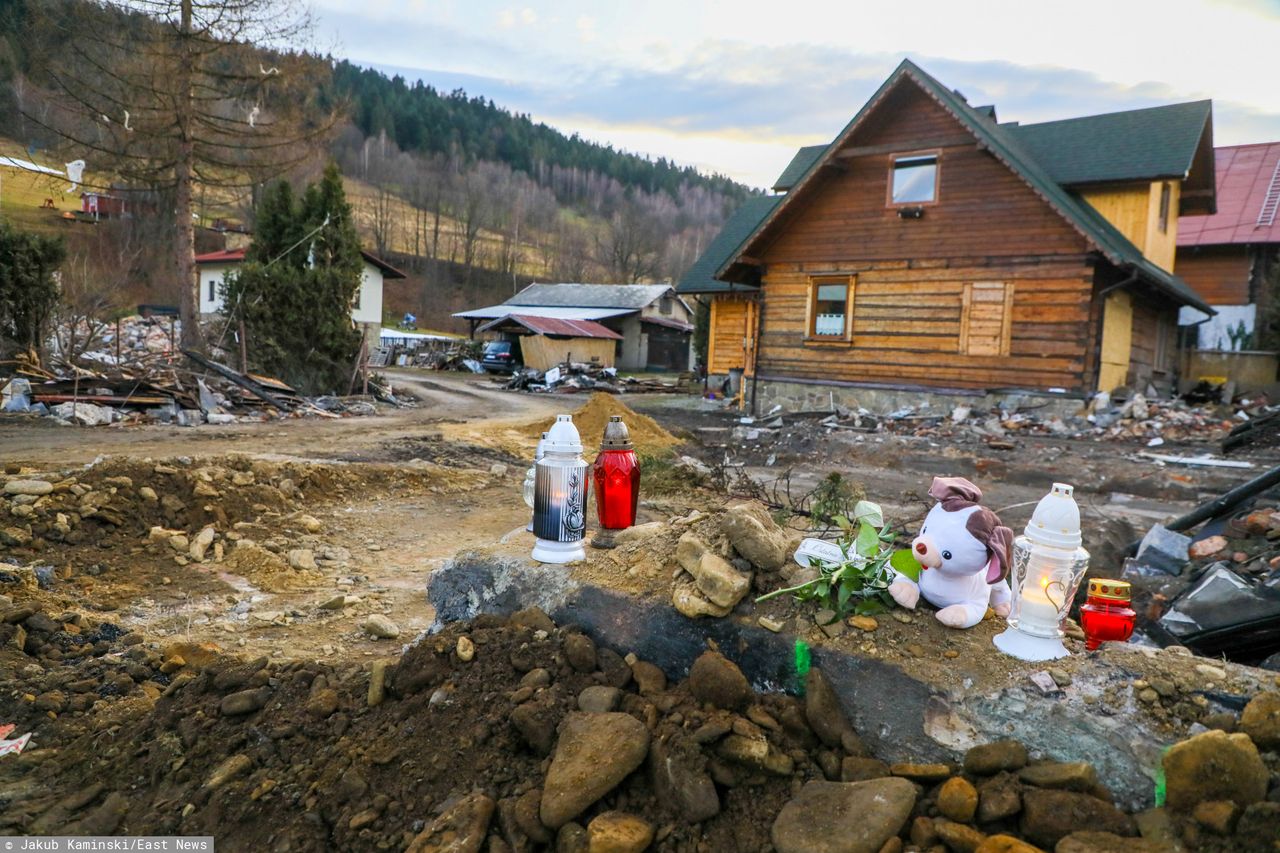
column 501, row 357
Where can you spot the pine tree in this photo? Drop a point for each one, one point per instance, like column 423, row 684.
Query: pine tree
column 28, row 292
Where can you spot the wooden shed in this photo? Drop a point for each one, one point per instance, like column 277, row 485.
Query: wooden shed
column 546, row 341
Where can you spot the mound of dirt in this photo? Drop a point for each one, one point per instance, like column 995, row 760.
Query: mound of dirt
column 649, row 438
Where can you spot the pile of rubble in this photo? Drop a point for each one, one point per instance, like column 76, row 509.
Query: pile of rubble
column 572, row 377
column 508, row 734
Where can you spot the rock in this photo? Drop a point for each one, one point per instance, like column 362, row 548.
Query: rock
column 525, row 814
column 1217, row 815
column 1214, row 765
column 857, row 769
column 381, row 627
column 958, row 800
column 1061, row 775
column 925, row 774
column 323, row 703
column 689, row 551
column 1049, row 816
column 958, row 837
column 244, row 702
column 771, row 624
column 754, row 535
column 719, row 581
column 302, row 559
column 649, row 678
column 595, row 752
column 991, row 758
column 580, row 651
column 681, row 782
column 378, row 683
column 689, row 601
column 1207, row 547
column 461, row 828
column 27, row 487
column 640, row 532
column 599, row 699
column 618, row 832
column 179, row 542
column 1005, row 844
column 999, row 797
column 1258, row 827
column 536, row 721
column 756, row 752
column 338, row 602
column 822, row 709
column 863, row 623
column 1154, row 824
column 843, row 817
column 571, row 838
column 715, row 679
column 465, row 649
column 231, row 768
column 310, row 523
column 201, row 544
column 1091, row 841
column 1261, row 720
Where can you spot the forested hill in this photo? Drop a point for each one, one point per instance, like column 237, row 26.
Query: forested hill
column 421, row 119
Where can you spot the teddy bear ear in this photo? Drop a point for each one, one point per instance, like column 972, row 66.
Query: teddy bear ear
column 1001, row 547
column 947, row 488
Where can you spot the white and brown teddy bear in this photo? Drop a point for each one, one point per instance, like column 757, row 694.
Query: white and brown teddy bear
column 965, row 552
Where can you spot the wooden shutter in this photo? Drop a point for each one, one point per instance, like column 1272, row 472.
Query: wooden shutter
column 985, row 318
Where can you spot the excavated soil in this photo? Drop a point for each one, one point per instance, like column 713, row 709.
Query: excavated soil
column 648, row 436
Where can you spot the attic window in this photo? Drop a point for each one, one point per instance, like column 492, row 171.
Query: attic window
column 914, row 179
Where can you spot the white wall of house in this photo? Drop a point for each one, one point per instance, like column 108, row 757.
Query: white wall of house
column 366, row 310
column 211, row 276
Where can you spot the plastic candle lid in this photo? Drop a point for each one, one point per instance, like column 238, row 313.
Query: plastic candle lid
column 1056, row 520
column 563, row 436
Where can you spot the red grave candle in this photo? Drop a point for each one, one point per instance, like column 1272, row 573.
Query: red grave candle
column 1106, row 615
column 617, row 478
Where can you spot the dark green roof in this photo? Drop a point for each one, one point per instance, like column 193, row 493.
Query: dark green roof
column 1147, row 144
column 701, row 276
column 1007, row 147
column 799, row 164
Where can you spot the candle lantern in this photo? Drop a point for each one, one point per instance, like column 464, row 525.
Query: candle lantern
column 616, row 473
column 1106, row 615
column 560, row 495
column 531, row 476
column 1048, row 564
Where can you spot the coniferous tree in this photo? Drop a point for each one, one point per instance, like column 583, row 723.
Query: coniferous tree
column 28, row 291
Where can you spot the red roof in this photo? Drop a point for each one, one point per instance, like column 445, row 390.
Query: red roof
column 235, row 256
column 1245, row 173
column 556, row 326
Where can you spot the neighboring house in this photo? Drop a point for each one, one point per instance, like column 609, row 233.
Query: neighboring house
column 1231, row 256
column 546, row 341
column 366, row 308
column 929, row 247
column 655, row 325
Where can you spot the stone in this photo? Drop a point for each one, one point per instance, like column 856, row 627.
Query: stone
column 755, row 752
column 715, row 679
column 525, row 815
column 925, row 774
column 1164, row 549
column 465, row 649
column 1258, row 827
column 244, row 702
column 595, row 752
column 28, row 487
column 1049, row 816
column 822, row 709
column 378, row 683
column 999, row 797
column 843, row 817
column 1092, row 841
column 148, row 494
column 640, row 532
column 719, row 581
column 338, row 602
column 649, row 678
column 1261, row 720
column 754, row 535
column 863, row 623
column 1207, row 547
column 231, row 768
column 1005, row 844
column 689, row 551
column 858, row 769
column 599, row 699
column 618, row 832
column 1218, row 816
column 571, row 838
column 323, row 703
column 200, row 545
column 580, row 651
column 179, row 542
column 310, row 523
column 1214, row 765
column 1061, row 775
column 958, row 800
column 1154, row 824
column 461, row 828
column 302, row 559
column 991, row 758
column 380, row 627
column 536, row 721
column 958, row 837
column 689, row 601
column 771, row 624
column 681, row 782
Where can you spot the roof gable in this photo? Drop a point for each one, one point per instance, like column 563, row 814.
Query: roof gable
column 1008, row 150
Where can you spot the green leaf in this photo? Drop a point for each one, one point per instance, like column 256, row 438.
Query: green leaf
column 868, row 541
column 842, row 522
column 869, row 607
column 870, row 513
column 904, row 562
column 842, row 596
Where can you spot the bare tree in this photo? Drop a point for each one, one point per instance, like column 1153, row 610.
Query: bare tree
column 169, row 94
column 94, row 286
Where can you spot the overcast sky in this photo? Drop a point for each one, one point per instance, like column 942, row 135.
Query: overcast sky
column 735, row 87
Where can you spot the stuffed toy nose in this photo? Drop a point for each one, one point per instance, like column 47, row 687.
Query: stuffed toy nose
column 926, row 553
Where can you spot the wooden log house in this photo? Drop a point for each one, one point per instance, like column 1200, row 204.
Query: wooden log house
column 929, row 247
